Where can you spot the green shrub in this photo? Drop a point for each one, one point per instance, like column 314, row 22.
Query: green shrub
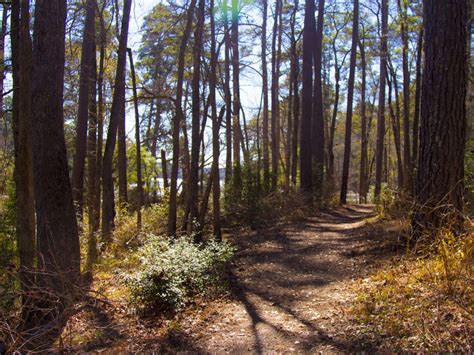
column 172, row 273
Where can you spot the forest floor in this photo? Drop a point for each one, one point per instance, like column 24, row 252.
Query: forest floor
column 291, row 290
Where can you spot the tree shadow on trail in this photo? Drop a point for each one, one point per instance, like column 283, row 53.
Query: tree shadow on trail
column 287, row 284
column 289, row 259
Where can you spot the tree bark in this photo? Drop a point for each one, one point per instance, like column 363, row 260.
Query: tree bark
column 275, row 117
column 57, row 232
column 92, row 176
column 227, row 96
column 407, row 163
column 116, row 115
column 216, row 192
column 177, row 121
column 306, row 180
column 265, row 117
column 416, row 115
column 363, row 178
column 100, row 120
column 137, row 142
column 83, row 107
column 164, row 169
column 21, row 48
column 193, row 195
column 379, row 151
column 317, row 129
column 440, row 176
column 350, row 99
column 237, row 178
column 395, row 118
column 296, row 97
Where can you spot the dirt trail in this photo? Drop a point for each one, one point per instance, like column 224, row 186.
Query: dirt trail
column 290, row 290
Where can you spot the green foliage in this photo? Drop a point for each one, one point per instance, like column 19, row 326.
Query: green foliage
column 154, row 220
column 173, row 272
column 255, row 208
column 7, row 248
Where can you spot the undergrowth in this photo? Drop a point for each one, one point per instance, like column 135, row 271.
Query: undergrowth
column 423, row 303
column 172, row 273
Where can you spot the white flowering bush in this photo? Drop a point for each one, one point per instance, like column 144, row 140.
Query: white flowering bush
column 173, row 272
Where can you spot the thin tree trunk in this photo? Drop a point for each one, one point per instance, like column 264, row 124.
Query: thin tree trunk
column 216, row 209
column 83, row 107
column 92, row 164
column 306, row 180
column 396, row 132
column 317, row 129
column 116, row 115
column 275, row 117
column 164, row 169
column 100, row 121
column 137, row 142
column 177, row 120
column 193, row 192
column 350, row 99
column 407, row 163
column 296, row 96
column 363, row 178
column 237, row 178
column 265, row 117
column 332, row 127
column 381, row 109
column 22, row 140
column 416, row 116
column 3, row 33
column 227, row 96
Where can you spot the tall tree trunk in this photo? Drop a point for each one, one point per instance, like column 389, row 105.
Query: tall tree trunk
column 296, row 97
column 137, row 142
column 407, row 163
column 227, row 96
column 350, row 99
column 332, row 127
column 276, row 53
column 317, row 129
column 122, row 159
column 177, row 120
column 164, row 169
column 22, row 140
column 193, row 195
column 216, row 190
column 116, row 115
column 100, row 120
column 440, row 176
column 57, row 232
column 92, row 164
column 265, row 117
column 416, row 115
column 396, row 130
column 83, row 107
column 288, row 132
column 381, row 109
column 237, row 178
column 306, row 179
column 363, row 178
column 3, row 33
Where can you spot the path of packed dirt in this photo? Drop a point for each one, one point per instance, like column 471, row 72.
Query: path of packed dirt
column 290, row 292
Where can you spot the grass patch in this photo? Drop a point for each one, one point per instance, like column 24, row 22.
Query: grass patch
column 422, row 303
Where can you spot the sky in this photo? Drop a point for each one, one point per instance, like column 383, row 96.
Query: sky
column 250, row 82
